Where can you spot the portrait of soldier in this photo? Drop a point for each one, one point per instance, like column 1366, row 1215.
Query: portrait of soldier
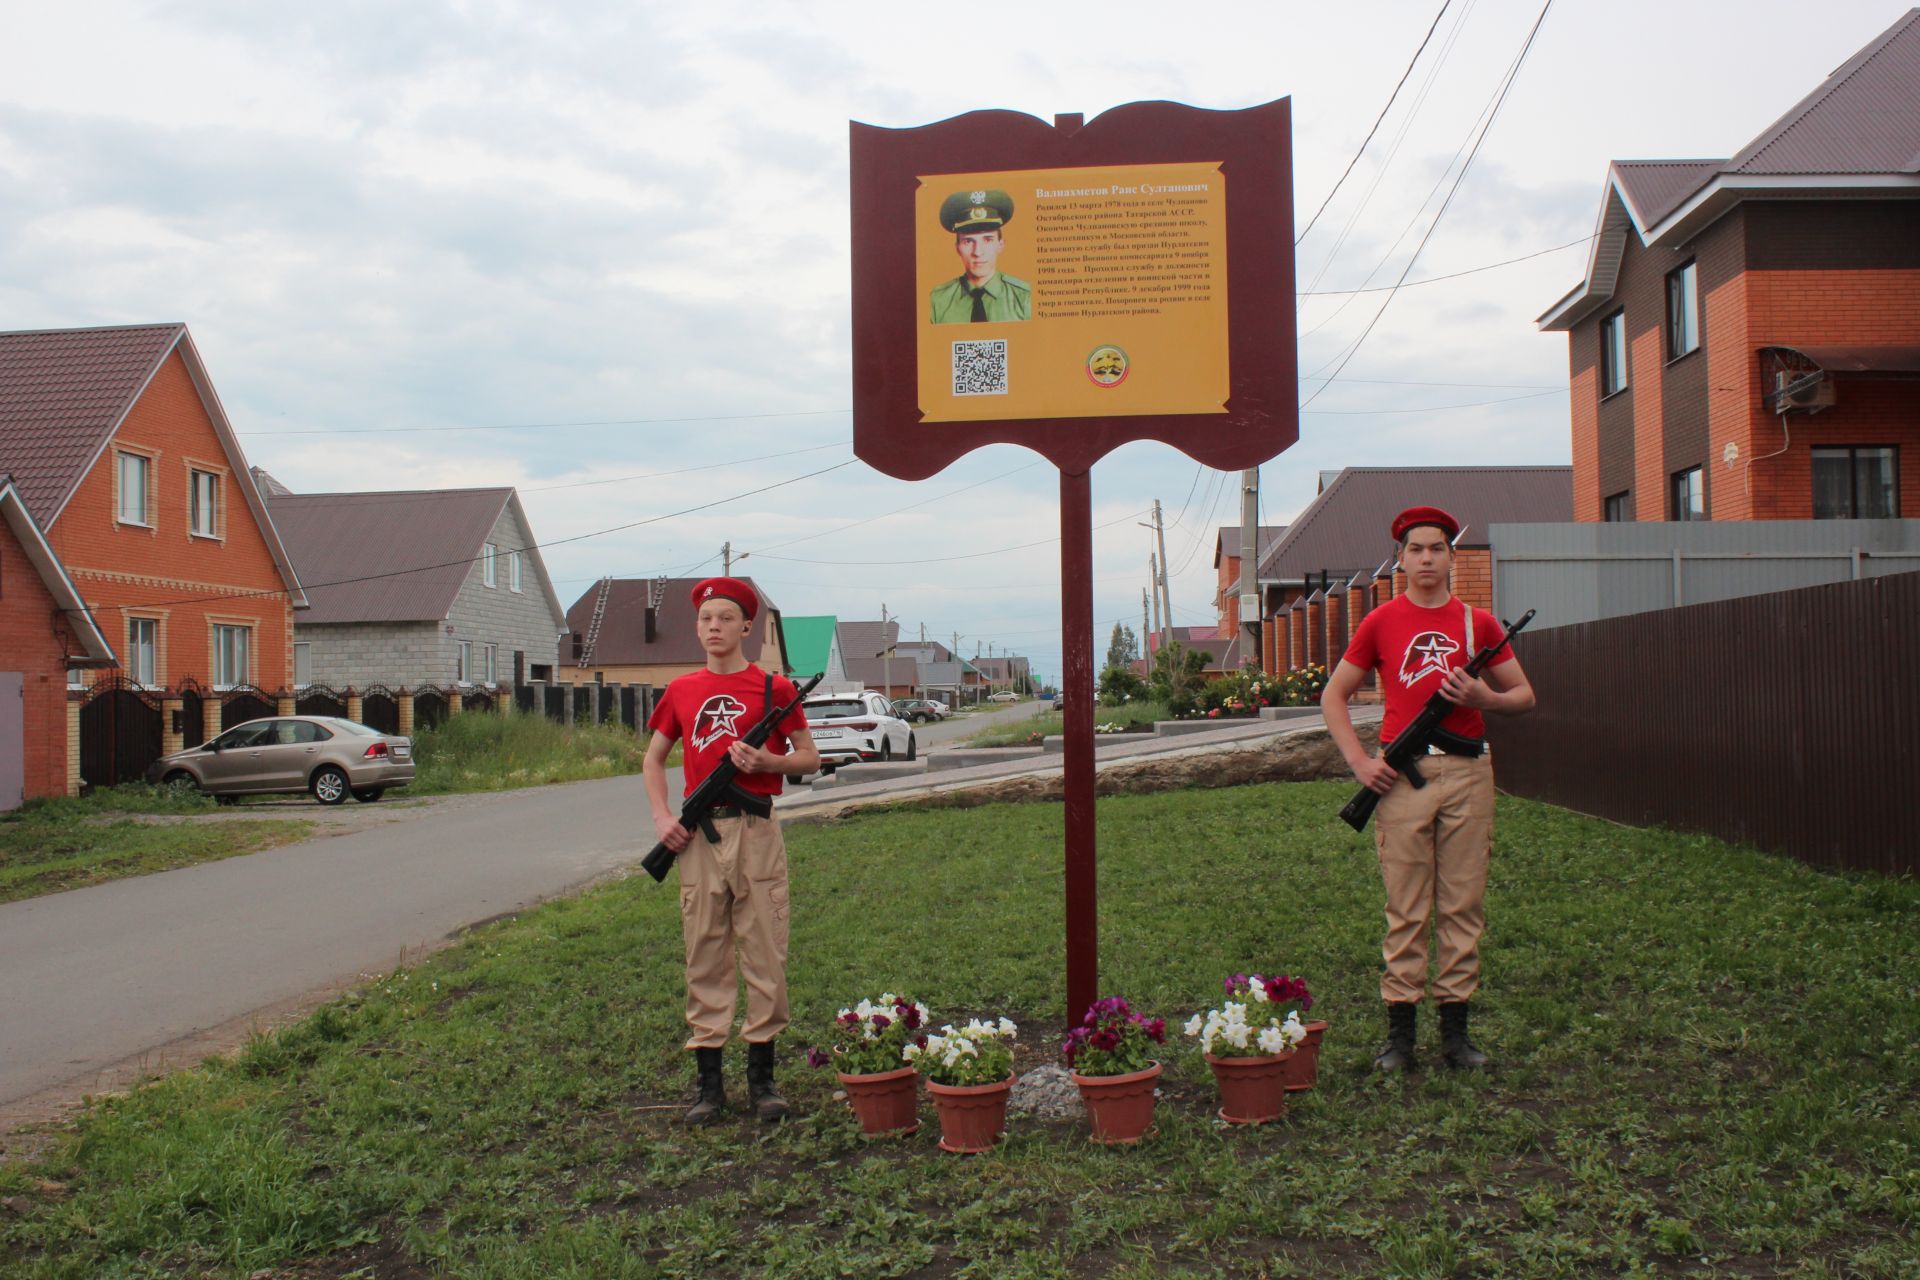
column 981, row 292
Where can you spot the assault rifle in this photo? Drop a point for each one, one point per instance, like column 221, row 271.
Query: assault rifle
column 1407, row 748
column 718, row 787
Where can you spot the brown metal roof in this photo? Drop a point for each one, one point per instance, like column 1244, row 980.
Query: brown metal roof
column 1862, row 119
column 385, row 557
column 1344, row 530
column 1227, row 541
column 623, row 630
column 62, row 393
column 1655, row 188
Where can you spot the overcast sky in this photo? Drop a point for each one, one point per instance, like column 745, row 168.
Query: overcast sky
column 623, row 227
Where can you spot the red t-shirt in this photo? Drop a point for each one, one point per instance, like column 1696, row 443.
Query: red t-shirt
column 1413, row 648
column 707, row 712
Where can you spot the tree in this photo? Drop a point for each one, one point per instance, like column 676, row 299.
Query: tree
column 1123, row 650
column 1178, row 674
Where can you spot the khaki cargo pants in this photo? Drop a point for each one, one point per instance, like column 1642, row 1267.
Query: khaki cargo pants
column 733, row 897
column 1434, row 844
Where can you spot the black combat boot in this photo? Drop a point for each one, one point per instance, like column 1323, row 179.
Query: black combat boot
column 713, row 1088
column 767, row 1102
column 1397, row 1055
column 1455, row 1049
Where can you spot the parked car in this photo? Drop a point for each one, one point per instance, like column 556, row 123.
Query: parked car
column 1005, row 695
column 1059, row 702
column 919, row 710
column 849, row 727
column 325, row 755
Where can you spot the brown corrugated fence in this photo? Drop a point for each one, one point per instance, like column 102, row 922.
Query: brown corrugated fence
column 1788, row 721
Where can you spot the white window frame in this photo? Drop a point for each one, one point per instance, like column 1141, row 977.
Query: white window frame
column 1613, row 354
column 489, row 572
column 143, row 517
column 463, row 662
column 143, row 658
column 513, row 570
column 302, row 658
column 231, row 665
column 1683, row 311
column 490, row 664
column 203, row 512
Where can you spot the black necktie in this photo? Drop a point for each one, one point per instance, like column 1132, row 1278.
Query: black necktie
column 979, row 304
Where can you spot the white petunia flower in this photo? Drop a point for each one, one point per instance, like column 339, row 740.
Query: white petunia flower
column 1008, row 1029
column 1272, row 1041
column 1238, row 1034
column 1194, row 1024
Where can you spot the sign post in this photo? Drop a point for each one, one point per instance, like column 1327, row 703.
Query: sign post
column 1072, row 287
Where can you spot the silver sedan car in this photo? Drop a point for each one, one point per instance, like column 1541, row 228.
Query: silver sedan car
column 325, row 755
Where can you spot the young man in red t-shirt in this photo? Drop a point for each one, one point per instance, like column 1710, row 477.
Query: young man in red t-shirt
column 1434, row 841
column 732, row 893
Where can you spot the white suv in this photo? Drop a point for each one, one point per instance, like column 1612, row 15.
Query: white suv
column 850, row 727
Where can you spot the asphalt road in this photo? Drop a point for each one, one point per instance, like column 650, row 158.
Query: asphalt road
column 99, row 985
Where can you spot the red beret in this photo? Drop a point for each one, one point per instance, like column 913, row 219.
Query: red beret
column 1414, row 517
column 728, row 589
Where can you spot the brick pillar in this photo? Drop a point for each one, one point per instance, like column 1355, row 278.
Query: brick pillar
column 455, row 701
column 1399, row 581
column 283, row 704
column 171, row 739
column 404, row 699
column 1270, row 645
column 1336, row 627
column 1381, row 589
column 356, row 706
column 75, row 701
column 1297, row 649
column 1356, row 609
column 1316, row 631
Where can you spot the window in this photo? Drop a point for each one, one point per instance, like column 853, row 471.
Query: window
column 1683, row 312
column 463, row 662
column 302, row 663
column 490, row 657
column 133, row 488
column 1689, row 495
column 1617, row 509
column 1613, row 354
column 1856, row 482
column 542, row 671
column 513, row 570
column 246, row 735
column 204, row 504
column 140, row 649
column 76, row 678
column 230, row 655
column 488, row 574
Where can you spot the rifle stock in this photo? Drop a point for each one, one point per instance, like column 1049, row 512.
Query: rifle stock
column 696, row 811
column 1405, row 751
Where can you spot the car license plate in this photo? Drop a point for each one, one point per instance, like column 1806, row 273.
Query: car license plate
column 403, row 752
column 828, row 733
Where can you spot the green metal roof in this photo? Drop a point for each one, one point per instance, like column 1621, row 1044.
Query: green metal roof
column 809, row 642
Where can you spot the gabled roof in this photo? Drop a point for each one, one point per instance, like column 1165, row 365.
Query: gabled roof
column 1227, row 541
column 1344, row 529
column 623, row 630
column 395, row 557
column 862, row 640
column 66, row 596
column 63, row 394
column 809, row 643
column 1857, row 134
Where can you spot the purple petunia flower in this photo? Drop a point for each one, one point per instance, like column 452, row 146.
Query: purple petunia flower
column 818, row 1058
column 881, row 1022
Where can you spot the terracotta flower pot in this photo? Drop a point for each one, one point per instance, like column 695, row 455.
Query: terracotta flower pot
column 1253, row 1090
column 885, row 1101
column 972, row 1116
column 1119, row 1108
column 1306, row 1061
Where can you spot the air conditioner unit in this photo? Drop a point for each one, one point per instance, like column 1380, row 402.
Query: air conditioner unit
column 1806, row 394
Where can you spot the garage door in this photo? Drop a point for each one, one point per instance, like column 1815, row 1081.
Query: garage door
column 13, row 740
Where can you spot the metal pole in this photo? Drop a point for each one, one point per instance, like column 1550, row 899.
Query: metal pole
column 1153, row 577
column 726, row 559
column 1076, row 623
column 1166, row 593
column 886, row 654
column 1249, row 563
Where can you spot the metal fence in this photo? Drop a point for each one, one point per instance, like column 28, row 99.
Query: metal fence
column 1583, row 572
column 1784, row 721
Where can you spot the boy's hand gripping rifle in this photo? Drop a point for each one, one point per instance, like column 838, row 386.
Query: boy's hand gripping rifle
column 718, row 787
column 1406, row 750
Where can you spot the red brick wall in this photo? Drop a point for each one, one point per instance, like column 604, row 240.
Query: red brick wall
column 1473, row 576
column 29, row 644
column 163, row 572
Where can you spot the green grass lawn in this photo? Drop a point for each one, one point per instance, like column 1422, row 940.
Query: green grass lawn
column 512, row 749
column 67, row 843
column 1710, row 1064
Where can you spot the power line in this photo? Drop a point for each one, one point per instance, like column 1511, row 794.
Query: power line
column 549, row 426
column 972, row 555
column 939, row 497
column 1455, row 275
column 1477, row 386
column 1471, row 404
column 705, row 466
column 1513, row 74
column 1391, row 99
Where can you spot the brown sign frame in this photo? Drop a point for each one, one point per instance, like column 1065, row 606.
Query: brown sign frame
column 1254, row 148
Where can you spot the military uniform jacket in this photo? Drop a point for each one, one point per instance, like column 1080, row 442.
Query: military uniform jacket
column 1006, row 298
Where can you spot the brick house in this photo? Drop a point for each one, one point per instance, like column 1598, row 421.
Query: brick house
column 436, row 587
column 645, row 633
column 1319, row 579
column 45, row 631
column 119, row 447
column 1746, row 342
column 1226, row 568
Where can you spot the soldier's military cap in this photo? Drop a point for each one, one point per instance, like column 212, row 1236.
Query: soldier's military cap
column 976, row 210
column 1416, row 517
column 728, row 589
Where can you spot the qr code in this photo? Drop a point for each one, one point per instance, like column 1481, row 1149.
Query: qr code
column 980, row 368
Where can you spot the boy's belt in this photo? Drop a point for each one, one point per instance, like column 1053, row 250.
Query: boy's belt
column 1453, row 744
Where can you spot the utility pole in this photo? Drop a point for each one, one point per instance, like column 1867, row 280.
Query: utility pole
column 886, row 654
column 1153, row 580
column 726, row 559
column 1165, row 624
column 1250, row 564
column 1144, row 632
